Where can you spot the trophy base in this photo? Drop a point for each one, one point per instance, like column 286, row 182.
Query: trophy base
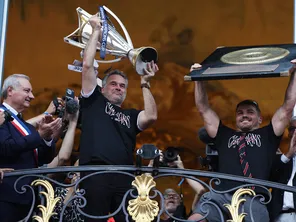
column 246, row 62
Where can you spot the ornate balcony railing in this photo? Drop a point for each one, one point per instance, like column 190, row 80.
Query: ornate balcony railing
column 141, row 205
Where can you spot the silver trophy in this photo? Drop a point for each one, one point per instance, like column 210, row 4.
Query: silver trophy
column 115, row 44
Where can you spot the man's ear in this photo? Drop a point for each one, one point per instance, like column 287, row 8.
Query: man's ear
column 9, row 90
column 260, row 119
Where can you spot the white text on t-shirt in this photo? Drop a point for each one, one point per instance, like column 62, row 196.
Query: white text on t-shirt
column 251, row 140
column 119, row 116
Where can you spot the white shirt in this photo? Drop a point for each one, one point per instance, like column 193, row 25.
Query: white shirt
column 48, row 143
column 10, row 108
column 288, row 196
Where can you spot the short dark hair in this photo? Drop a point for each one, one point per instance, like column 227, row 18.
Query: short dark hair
column 249, row 102
column 114, row 72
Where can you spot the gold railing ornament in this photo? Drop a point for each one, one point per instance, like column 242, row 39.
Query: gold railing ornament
column 143, row 209
column 47, row 212
column 235, row 203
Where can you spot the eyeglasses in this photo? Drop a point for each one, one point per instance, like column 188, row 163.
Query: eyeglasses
column 172, row 196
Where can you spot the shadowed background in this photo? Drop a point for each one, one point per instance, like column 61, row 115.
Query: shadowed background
column 183, row 32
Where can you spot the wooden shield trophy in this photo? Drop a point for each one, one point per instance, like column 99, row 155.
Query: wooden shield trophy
column 246, row 62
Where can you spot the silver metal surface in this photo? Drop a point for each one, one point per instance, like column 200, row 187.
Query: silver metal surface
column 116, row 44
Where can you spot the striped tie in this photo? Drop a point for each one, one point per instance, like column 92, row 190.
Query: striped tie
column 242, row 155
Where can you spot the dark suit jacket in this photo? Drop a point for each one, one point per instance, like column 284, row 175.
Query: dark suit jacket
column 281, row 173
column 17, row 152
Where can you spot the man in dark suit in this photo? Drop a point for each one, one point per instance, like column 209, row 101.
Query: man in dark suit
column 283, row 204
column 21, row 146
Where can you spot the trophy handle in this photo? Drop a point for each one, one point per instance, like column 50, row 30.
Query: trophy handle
column 110, row 61
column 128, row 38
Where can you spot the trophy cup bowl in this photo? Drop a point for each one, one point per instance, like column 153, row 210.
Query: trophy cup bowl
column 116, row 45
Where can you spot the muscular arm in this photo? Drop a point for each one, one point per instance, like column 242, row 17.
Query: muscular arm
column 89, row 80
column 283, row 115
column 210, row 118
column 147, row 117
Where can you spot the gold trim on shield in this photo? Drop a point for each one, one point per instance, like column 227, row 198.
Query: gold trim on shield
column 255, row 55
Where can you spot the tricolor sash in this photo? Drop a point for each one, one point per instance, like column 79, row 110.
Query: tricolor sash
column 22, row 128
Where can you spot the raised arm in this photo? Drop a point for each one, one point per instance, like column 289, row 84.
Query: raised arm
column 210, row 118
column 149, row 115
column 282, row 116
column 67, row 144
column 89, row 80
column 195, row 185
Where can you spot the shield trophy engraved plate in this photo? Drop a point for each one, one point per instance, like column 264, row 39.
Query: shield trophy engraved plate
column 115, row 44
column 246, row 62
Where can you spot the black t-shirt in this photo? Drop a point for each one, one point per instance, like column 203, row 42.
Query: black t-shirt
column 108, row 132
column 261, row 146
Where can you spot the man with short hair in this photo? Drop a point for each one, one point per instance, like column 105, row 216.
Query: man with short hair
column 247, row 151
column 109, row 131
column 21, row 146
column 172, row 201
